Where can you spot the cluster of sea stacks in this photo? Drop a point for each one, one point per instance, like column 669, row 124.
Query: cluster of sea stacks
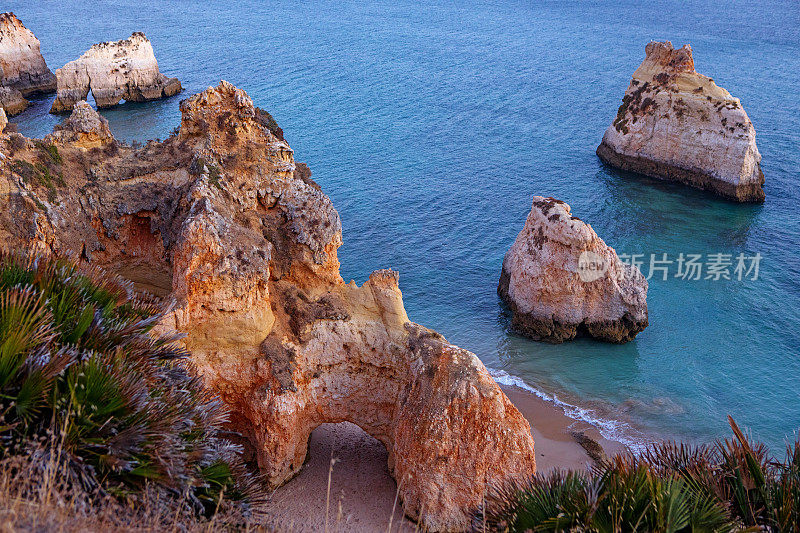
column 113, row 71
column 220, row 219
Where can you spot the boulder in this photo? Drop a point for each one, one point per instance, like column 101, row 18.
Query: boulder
column 23, row 71
column 222, row 221
column 84, row 128
column 675, row 124
column 561, row 280
column 113, row 71
column 12, row 101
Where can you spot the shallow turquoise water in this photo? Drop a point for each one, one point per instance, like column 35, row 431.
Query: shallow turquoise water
column 432, row 124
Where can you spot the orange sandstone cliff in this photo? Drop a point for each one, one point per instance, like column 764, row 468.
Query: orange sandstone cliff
column 220, row 219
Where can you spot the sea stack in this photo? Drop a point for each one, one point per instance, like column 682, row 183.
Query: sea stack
column 113, row 71
column 222, row 221
column 675, row 124
column 561, row 280
column 23, row 71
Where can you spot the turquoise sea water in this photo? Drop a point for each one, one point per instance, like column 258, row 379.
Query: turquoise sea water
column 432, row 124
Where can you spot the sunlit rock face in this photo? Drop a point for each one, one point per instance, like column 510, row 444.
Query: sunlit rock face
column 561, row 280
column 23, row 71
column 678, row 125
column 222, row 220
column 113, row 71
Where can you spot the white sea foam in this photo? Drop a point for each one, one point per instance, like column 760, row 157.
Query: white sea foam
column 616, row 430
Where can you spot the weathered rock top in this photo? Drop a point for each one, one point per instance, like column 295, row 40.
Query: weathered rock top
column 220, row 219
column 677, row 124
column 23, row 70
column 114, row 71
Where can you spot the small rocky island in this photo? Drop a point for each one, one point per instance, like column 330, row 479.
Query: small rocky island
column 23, row 71
column 114, row 71
column 675, row 124
column 220, row 219
column 561, row 280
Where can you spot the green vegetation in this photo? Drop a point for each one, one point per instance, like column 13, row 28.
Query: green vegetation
column 85, row 383
column 38, row 174
column 266, row 120
column 50, row 151
column 730, row 485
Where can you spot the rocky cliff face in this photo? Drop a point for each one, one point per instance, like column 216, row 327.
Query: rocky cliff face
column 22, row 68
column 561, row 280
column 114, row 71
column 678, row 125
column 221, row 219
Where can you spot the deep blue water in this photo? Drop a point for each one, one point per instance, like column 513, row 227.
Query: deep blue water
column 432, row 124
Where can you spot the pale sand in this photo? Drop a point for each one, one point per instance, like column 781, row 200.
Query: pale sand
column 363, row 493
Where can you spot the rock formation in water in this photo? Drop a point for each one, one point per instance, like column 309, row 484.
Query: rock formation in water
column 676, row 124
column 220, row 218
column 23, row 71
column 561, row 280
column 114, row 71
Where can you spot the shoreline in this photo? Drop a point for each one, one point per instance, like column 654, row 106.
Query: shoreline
column 362, row 492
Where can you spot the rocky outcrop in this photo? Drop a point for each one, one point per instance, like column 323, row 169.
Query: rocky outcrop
column 676, row 124
column 113, row 71
column 12, row 101
column 561, row 280
column 220, row 219
column 23, row 71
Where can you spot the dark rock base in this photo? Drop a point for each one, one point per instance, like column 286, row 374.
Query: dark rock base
column 753, row 192
column 619, row 331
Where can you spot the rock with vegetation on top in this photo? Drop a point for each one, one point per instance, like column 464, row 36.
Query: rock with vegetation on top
column 678, row 125
column 23, row 71
column 561, row 280
column 222, row 220
column 113, row 71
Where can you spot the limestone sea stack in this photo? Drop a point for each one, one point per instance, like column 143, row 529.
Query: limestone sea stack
column 220, row 219
column 561, row 280
column 113, row 71
column 675, row 124
column 23, row 71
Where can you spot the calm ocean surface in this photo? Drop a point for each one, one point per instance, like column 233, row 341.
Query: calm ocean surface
column 432, row 124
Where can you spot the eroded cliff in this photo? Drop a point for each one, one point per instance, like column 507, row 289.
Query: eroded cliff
column 678, row 125
column 220, row 218
column 23, row 71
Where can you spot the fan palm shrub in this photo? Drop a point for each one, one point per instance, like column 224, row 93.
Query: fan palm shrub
column 729, row 485
column 87, row 385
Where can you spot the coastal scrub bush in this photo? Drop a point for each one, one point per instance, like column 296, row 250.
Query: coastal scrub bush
column 86, row 384
column 729, row 485
column 266, row 120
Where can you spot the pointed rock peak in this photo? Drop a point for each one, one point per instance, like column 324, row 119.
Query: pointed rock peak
column 84, row 127
column 670, row 60
column 226, row 108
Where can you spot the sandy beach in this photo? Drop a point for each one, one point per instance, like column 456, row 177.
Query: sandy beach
column 362, row 493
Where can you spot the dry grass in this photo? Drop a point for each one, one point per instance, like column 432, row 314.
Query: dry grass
column 34, row 496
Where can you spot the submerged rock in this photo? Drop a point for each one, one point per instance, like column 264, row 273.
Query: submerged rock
column 23, row 71
column 678, row 125
column 220, row 219
column 561, row 280
column 114, row 71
